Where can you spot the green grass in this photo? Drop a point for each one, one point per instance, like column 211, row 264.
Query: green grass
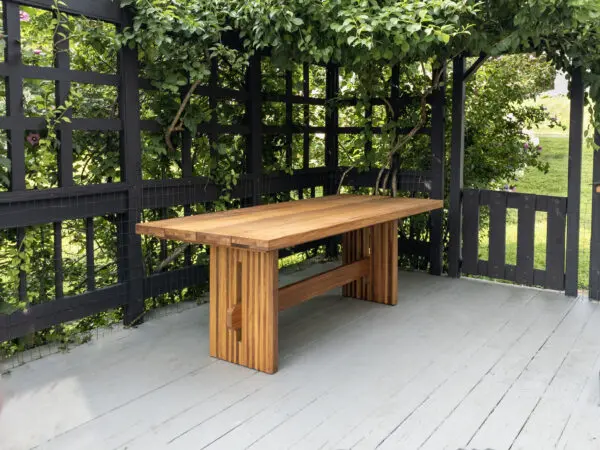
column 555, row 150
column 558, row 106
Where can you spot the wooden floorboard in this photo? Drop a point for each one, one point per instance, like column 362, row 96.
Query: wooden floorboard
column 456, row 364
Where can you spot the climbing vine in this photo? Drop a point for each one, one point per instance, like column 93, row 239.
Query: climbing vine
column 179, row 40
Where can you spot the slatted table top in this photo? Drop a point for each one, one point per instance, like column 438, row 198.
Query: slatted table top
column 280, row 225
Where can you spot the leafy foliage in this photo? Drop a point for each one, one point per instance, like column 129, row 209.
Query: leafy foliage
column 363, row 35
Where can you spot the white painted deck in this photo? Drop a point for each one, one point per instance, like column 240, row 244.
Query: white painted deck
column 457, row 364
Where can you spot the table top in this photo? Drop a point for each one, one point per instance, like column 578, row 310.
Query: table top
column 279, row 225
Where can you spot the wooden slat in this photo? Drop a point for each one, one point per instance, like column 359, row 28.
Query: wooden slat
column 594, row 288
column 438, row 158
column 243, row 307
column 304, row 290
column 457, row 157
column 243, row 216
column 287, row 224
column 380, row 244
column 555, row 245
column 62, row 89
column 525, row 239
column 577, row 111
column 497, row 258
column 470, row 251
column 14, row 97
column 319, row 284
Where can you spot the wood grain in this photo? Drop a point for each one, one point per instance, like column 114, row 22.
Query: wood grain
column 319, row 284
column 248, row 280
column 301, row 291
column 380, row 244
column 281, row 225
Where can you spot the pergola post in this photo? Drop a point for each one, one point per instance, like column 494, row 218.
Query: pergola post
column 438, row 145
column 254, row 148
column 456, row 166
column 332, row 86
column 131, row 269
column 594, row 287
column 574, row 188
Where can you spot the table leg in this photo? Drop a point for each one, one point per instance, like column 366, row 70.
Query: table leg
column 250, row 279
column 380, row 244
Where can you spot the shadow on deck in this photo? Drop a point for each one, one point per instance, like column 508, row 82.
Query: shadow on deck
column 458, row 363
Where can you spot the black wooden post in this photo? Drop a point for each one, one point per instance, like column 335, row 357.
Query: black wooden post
column 332, row 82
column 132, row 269
column 255, row 144
column 594, row 288
column 438, row 145
column 306, row 116
column 64, row 132
column 64, row 135
column 14, row 109
column 456, row 167
column 574, row 190
column 331, row 128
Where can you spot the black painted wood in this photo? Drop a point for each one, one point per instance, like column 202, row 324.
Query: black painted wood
column 456, row 167
column 288, row 118
column 438, row 157
column 594, row 288
column 331, row 126
column 415, row 181
column 497, row 246
column 555, row 245
column 89, row 254
column 475, row 67
column 45, row 315
column 106, row 10
column 132, row 174
column 15, row 135
column 14, row 123
column 470, row 231
column 332, row 86
column 165, row 282
column 58, row 262
column 574, row 188
column 64, row 132
column 23, row 297
column 306, row 116
column 552, row 277
column 254, row 109
column 14, row 97
column 210, row 129
column 525, row 238
column 58, row 74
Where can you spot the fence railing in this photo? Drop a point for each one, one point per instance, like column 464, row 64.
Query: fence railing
column 552, row 276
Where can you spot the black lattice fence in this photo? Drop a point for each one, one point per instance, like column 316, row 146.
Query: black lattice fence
column 78, row 213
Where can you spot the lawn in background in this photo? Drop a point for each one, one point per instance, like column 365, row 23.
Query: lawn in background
column 555, row 150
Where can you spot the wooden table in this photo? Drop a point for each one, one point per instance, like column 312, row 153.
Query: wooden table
column 244, row 293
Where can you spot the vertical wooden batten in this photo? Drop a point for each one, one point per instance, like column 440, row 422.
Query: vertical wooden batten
column 574, row 188
column 250, row 279
column 130, row 260
column 380, row 244
column 594, row 288
column 457, row 167
column 438, row 157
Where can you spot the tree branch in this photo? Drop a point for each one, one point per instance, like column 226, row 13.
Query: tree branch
column 169, row 259
column 175, row 126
